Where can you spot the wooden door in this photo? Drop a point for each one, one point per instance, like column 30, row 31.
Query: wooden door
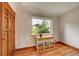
column 8, row 33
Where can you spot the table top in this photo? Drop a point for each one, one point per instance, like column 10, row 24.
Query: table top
column 47, row 36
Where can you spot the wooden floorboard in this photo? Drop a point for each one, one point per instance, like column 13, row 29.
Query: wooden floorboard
column 59, row 50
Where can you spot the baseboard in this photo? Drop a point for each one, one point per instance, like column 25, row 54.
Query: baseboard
column 68, row 45
column 33, row 47
column 26, row 48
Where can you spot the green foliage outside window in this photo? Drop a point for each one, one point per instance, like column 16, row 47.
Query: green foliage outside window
column 40, row 28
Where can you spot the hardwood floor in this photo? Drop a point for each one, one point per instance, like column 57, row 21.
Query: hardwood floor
column 59, row 50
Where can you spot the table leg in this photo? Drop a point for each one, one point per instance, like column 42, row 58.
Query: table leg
column 43, row 46
column 49, row 43
column 37, row 47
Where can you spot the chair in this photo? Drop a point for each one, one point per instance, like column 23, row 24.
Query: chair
column 40, row 41
column 50, row 41
column 47, row 42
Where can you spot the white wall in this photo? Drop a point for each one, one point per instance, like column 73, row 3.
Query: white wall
column 56, row 27
column 23, row 29
column 69, row 28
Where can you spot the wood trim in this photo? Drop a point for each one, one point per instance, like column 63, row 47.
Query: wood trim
column 34, row 48
column 68, row 45
column 26, row 48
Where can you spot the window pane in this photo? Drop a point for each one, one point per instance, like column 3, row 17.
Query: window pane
column 41, row 26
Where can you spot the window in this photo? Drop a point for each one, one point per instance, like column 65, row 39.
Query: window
column 41, row 25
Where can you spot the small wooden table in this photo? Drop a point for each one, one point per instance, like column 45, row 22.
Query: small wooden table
column 44, row 39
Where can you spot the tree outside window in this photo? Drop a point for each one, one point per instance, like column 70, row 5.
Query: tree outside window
column 40, row 26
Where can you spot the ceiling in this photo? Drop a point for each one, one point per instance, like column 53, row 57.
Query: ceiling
column 47, row 8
